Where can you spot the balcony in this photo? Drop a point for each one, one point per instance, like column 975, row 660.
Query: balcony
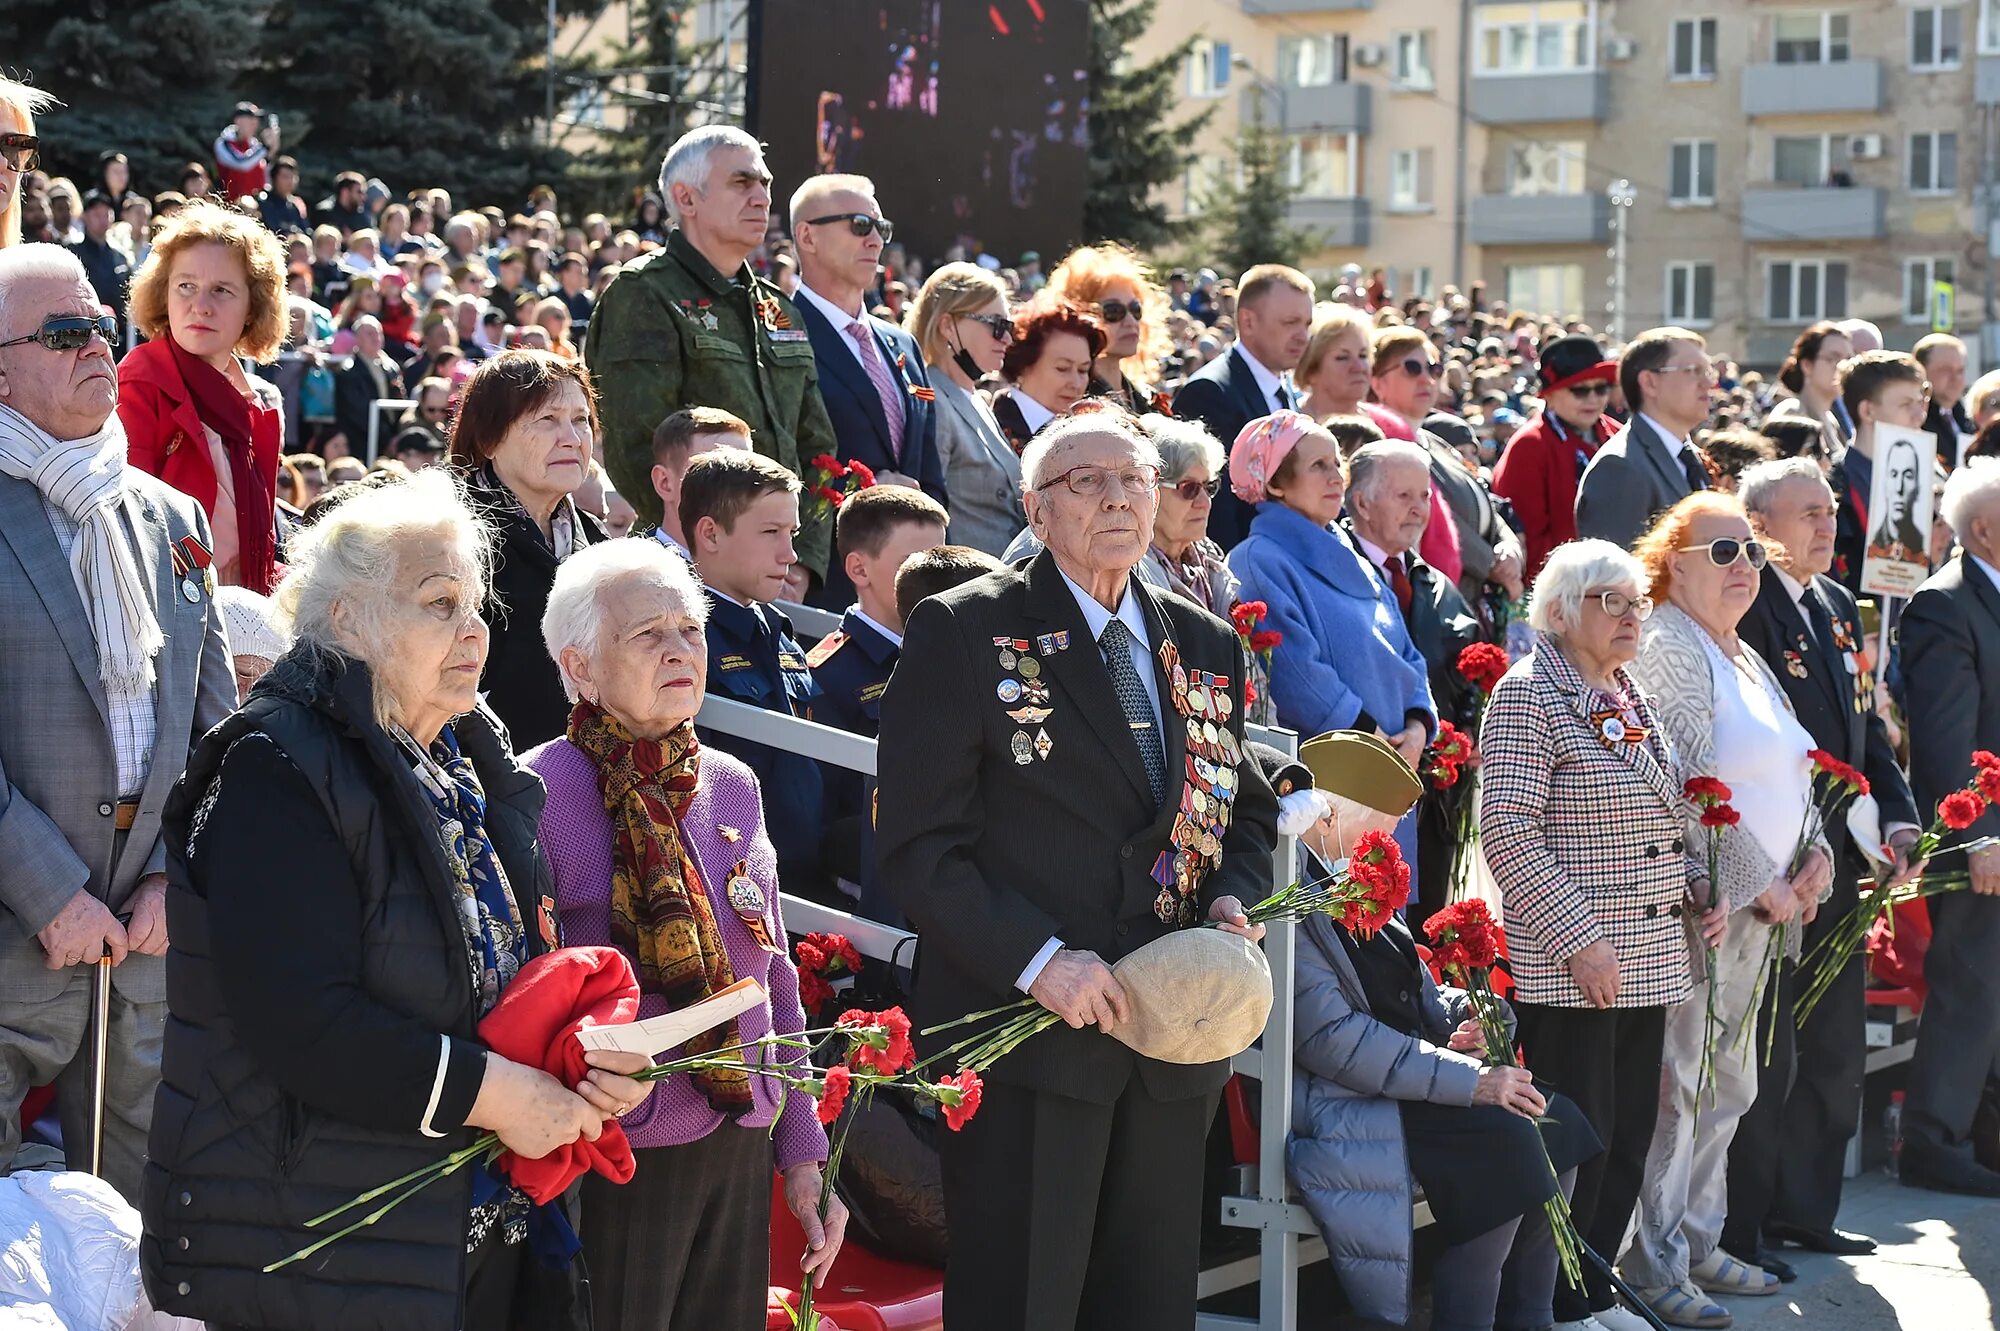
column 1337, row 107
column 1257, row 8
column 1986, row 87
column 1334, row 223
column 1825, row 213
column 1534, row 99
column 1540, row 219
column 1804, row 90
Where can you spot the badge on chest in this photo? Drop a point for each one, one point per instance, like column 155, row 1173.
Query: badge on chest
column 747, row 899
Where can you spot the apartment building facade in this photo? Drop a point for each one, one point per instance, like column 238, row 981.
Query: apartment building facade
column 1785, row 162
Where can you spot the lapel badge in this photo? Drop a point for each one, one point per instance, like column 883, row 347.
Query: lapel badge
column 1009, row 690
column 746, row 898
column 1036, row 692
column 1028, row 716
column 1795, row 664
column 730, row 834
column 1043, row 744
column 1023, row 747
column 1045, row 643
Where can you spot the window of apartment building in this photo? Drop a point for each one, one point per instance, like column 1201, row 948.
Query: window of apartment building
column 1538, row 37
column 1933, row 161
column 1413, row 68
column 1314, row 61
column 1690, row 294
column 1798, row 291
column 1920, row 278
column 1208, row 68
column 1554, row 167
column 1322, row 166
column 1934, row 37
column 1205, row 175
column 1549, row 288
column 1809, row 37
column 1410, row 180
column 1989, row 27
column 1691, row 173
column 1422, row 283
column 1808, row 160
column 1692, row 52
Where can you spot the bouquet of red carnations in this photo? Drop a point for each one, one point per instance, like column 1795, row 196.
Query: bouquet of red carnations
column 1711, row 796
column 1259, row 644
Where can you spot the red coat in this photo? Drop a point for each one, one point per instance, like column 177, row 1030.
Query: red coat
column 1538, row 472
column 164, row 438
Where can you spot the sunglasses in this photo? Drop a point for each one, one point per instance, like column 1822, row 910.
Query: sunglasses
column 1726, row 550
column 999, row 325
column 1188, row 490
column 1417, row 368
column 21, row 152
column 1116, row 311
column 1595, row 388
column 858, row 223
column 70, row 332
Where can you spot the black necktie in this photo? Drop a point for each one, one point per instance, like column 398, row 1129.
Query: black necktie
column 1820, row 626
column 1284, row 396
column 1116, row 645
column 1697, row 475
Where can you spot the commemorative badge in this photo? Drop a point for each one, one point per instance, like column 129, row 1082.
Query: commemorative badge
column 1023, row 748
column 746, row 898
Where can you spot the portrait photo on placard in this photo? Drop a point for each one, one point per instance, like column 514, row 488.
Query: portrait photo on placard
column 1900, row 502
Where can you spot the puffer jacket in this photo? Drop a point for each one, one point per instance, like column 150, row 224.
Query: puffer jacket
column 1345, row 1154
column 313, row 1030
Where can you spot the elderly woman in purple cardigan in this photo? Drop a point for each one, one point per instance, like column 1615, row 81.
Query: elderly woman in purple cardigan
column 658, row 847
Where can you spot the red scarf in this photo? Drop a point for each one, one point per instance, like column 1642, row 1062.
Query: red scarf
column 224, row 409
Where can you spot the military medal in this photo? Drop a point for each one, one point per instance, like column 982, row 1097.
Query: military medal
column 1030, row 667
column 1024, row 748
column 1795, row 665
column 1028, row 716
column 1036, row 692
column 1222, row 704
column 1043, row 744
column 192, row 558
column 1009, row 690
column 747, row 900
column 1007, row 658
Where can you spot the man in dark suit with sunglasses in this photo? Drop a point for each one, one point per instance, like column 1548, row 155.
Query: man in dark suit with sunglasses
column 871, row 373
column 1273, row 324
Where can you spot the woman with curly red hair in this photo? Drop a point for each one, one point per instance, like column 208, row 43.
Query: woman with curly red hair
column 1047, row 368
column 1112, row 280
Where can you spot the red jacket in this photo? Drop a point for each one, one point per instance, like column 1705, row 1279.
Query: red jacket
column 164, row 438
column 1538, row 472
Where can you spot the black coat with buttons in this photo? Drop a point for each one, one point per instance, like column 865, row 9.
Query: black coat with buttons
column 320, row 1011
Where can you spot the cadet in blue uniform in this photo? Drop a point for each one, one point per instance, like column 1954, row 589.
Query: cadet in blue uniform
column 740, row 511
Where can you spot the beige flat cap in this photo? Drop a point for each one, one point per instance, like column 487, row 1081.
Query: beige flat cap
column 1197, row 996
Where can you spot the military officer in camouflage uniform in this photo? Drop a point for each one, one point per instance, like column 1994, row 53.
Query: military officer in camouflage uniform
column 692, row 326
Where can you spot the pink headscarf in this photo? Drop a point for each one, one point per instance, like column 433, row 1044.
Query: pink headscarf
column 1261, row 448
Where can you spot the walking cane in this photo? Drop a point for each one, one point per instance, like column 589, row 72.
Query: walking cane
column 1624, row 1291
column 100, row 1049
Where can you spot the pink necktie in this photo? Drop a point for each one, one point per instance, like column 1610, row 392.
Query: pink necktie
column 885, row 384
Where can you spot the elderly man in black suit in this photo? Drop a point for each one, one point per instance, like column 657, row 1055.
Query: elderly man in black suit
column 1951, row 666
column 1062, row 781
column 1785, row 1165
column 1651, row 464
column 1273, row 324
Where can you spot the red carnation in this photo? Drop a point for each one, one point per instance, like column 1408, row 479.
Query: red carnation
column 814, row 991
column 1371, row 857
column 1482, row 664
column 1720, row 815
column 1985, row 758
column 881, row 1040
column 1264, row 640
column 830, row 495
column 1465, row 930
column 833, row 1093
column 958, row 1096
column 863, row 475
column 837, row 950
column 828, row 463
column 810, row 956
column 1705, row 791
column 1249, row 692
column 1988, row 782
column 1960, row 809
column 1452, row 744
column 1444, row 773
column 1245, row 614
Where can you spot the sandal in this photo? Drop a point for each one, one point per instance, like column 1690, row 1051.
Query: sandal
column 1719, row 1273
column 1683, row 1305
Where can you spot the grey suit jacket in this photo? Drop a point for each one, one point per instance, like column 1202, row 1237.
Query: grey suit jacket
column 1633, row 479
column 58, row 775
column 982, row 473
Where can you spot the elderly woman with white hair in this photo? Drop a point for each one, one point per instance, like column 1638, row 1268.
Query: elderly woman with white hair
column 1182, row 558
column 354, row 882
column 659, row 848
column 1580, row 817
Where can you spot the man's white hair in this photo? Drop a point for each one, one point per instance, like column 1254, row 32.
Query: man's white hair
column 36, row 262
column 575, row 615
column 1367, row 464
column 816, row 188
column 1858, row 329
column 1572, row 571
column 1063, row 431
column 1759, row 483
column 1967, row 494
column 687, row 162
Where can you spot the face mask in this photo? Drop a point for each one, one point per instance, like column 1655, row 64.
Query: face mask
column 433, row 283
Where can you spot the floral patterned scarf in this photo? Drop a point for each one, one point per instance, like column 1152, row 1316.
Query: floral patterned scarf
column 661, row 914
column 496, row 943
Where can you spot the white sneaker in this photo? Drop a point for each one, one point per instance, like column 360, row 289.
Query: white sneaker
column 1587, row 1324
column 1616, row 1318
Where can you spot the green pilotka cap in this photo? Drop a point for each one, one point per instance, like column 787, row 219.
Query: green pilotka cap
column 1362, row 768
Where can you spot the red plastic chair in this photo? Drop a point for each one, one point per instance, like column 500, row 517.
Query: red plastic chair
column 863, row 1292
column 1243, row 1135
column 1896, row 957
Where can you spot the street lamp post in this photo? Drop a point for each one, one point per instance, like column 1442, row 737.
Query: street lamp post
column 1265, row 85
column 1622, row 197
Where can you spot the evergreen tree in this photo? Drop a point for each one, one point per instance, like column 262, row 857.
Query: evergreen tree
column 673, row 77
column 1133, row 150
column 154, row 79
column 1250, row 214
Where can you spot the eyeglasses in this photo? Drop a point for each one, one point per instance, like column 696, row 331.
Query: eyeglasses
column 1188, row 490
column 859, row 224
column 1116, row 311
column 1596, row 388
column 1089, row 482
column 70, row 332
column 999, row 325
column 1704, row 371
column 21, row 152
column 1618, row 605
column 1726, row 550
column 1416, row 367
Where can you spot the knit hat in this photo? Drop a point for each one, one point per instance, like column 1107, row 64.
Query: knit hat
column 1573, row 360
column 1197, row 996
column 252, row 624
column 1260, row 449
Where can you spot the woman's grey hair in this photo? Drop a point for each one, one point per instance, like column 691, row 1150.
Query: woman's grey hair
column 1366, row 464
column 1758, row 485
column 1574, row 569
column 687, row 161
column 1182, row 444
column 37, row 261
column 575, row 616
column 1056, row 437
column 1968, row 492
column 342, row 595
